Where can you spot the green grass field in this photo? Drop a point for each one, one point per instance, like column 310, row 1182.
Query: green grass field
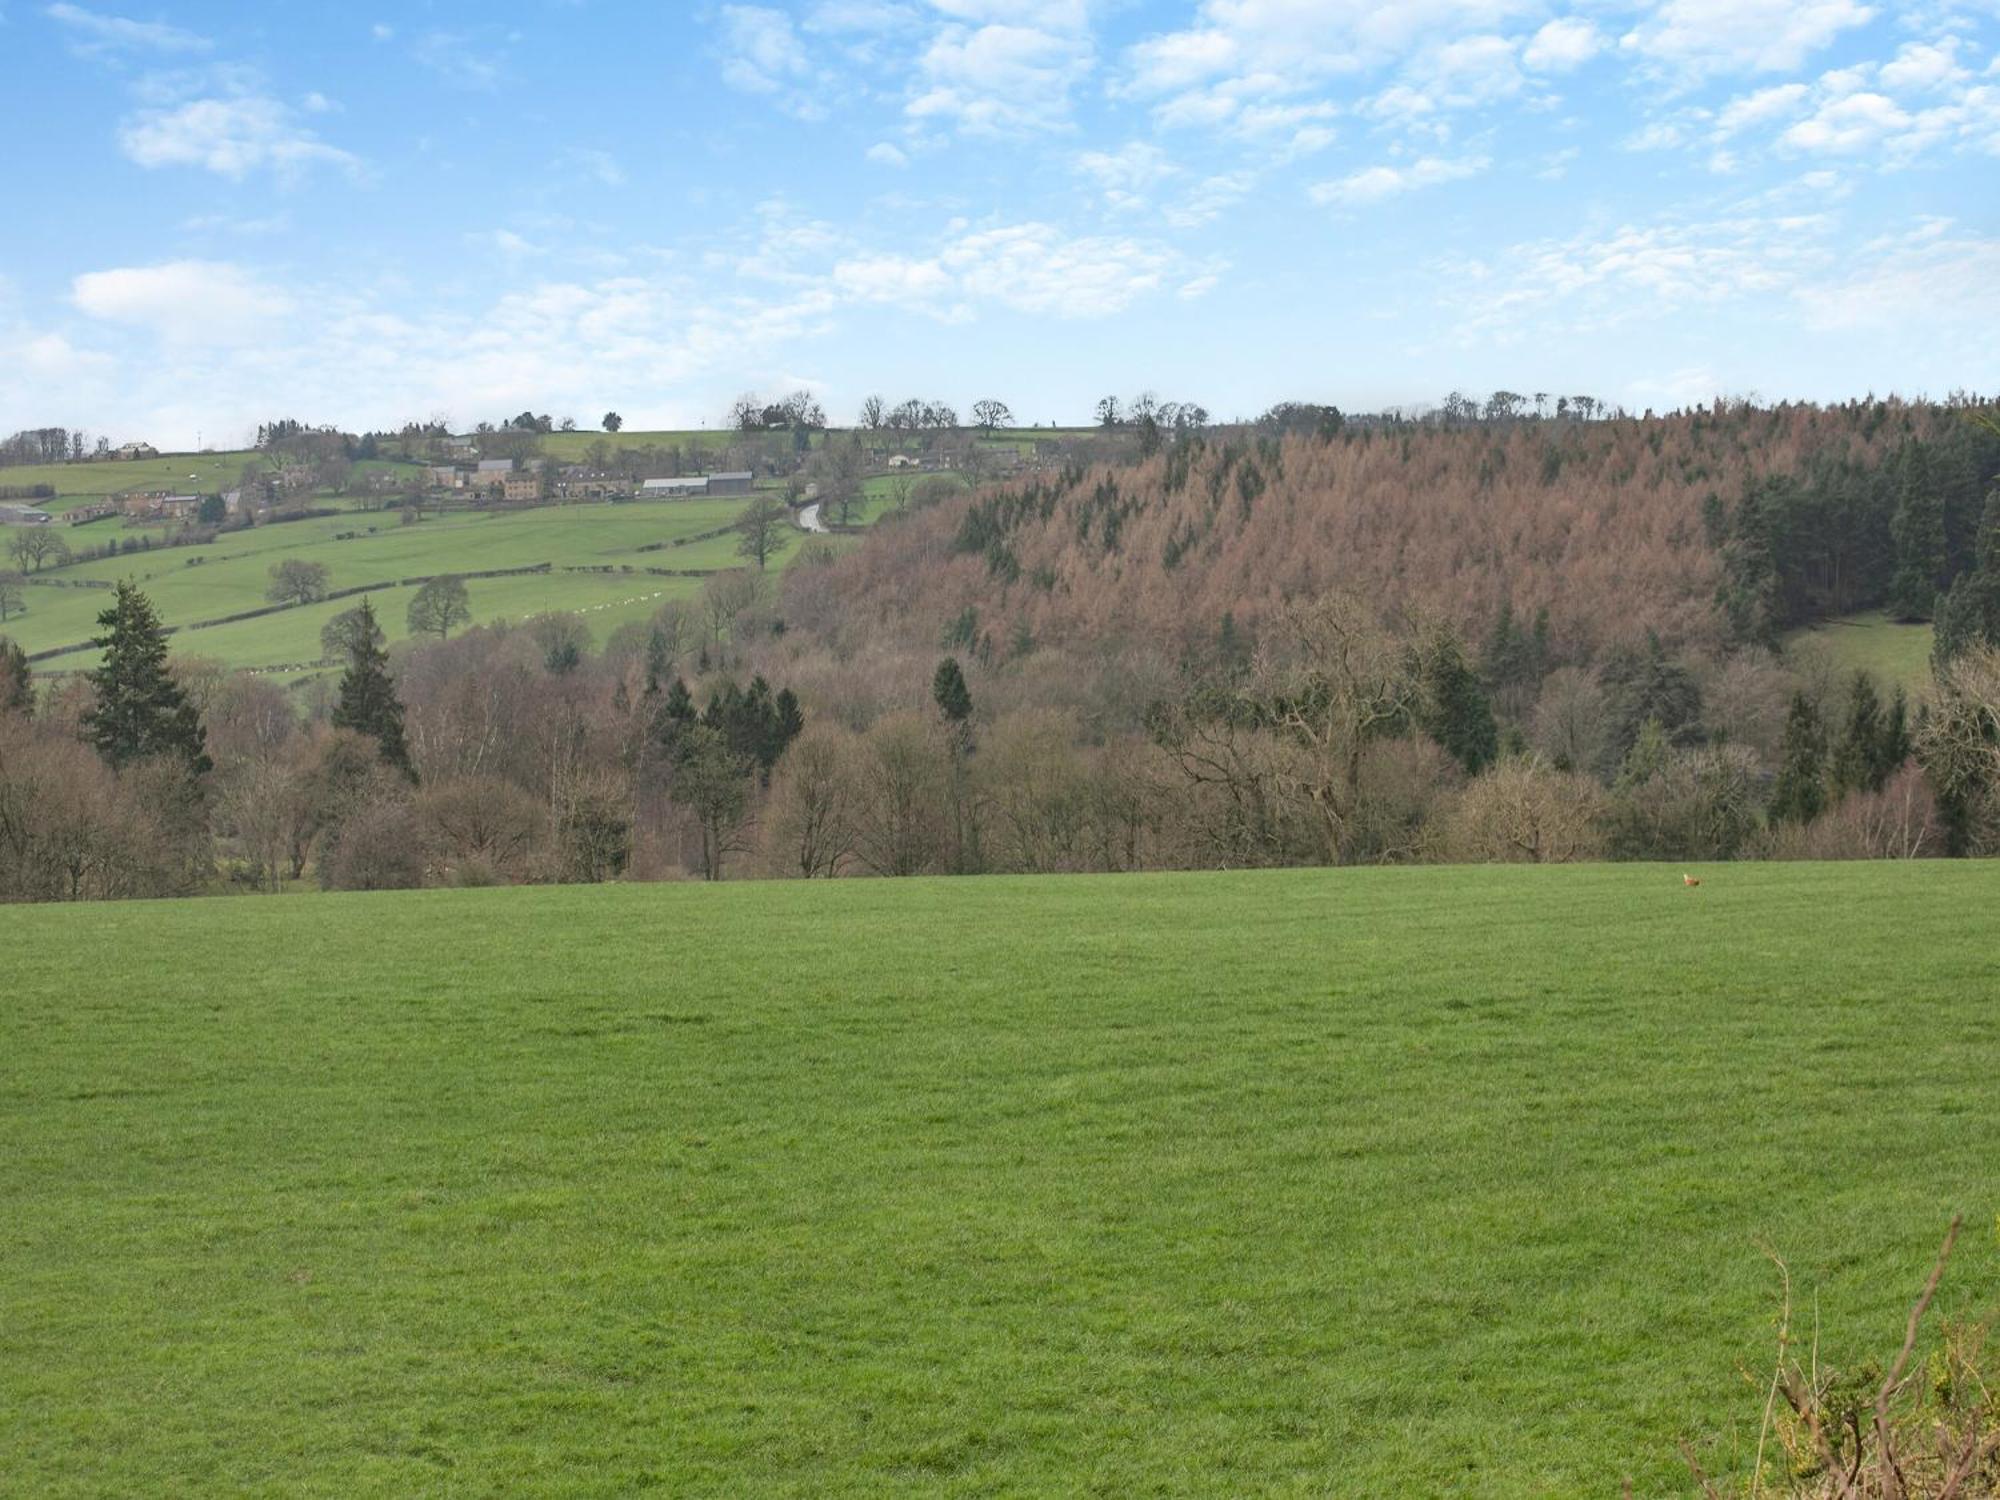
column 1892, row 652
column 206, row 583
column 185, row 473
column 1383, row 1182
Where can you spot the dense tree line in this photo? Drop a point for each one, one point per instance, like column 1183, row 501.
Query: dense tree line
column 1315, row 642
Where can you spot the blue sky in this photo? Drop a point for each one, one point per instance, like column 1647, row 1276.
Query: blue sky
column 217, row 213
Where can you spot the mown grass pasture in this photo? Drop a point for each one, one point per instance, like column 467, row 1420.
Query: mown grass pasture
column 1365, row 1182
column 180, row 473
column 190, row 584
column 1893, row 651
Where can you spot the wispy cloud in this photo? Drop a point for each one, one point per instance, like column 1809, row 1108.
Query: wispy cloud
column 232, row 137
column 94, row 33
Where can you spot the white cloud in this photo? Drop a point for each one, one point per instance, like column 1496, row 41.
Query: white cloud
column 1239, row 53
column 1127, row 175
column 601, row 166
column 1851, row 122
column 1925, row 274
column 1561, row 45
column 1919, row 66
column 1695, row 38
column 1774, row 103
column 1601, row 280
column 1001, row 79
column 887, row 154
column 1030, row 268
column 184, row 301
column 459, row 60
column 233, row 137
column 95, row 33
column 1209, row 199
column 1374, row 184
column 763, row 51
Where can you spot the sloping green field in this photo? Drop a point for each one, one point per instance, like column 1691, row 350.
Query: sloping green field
column 1893, row 652
column 182, row 473
column 1397, row 1182
column 190, row 584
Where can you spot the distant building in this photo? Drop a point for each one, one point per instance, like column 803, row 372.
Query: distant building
column 521, row 487
column 22, row 515
column 675, row 489
column 461, row 445
column 97, row 510
column 737, row 482
column 901, row 461
column 445, row 477
column 491, row 469
column 179, row 507
column 136, row 450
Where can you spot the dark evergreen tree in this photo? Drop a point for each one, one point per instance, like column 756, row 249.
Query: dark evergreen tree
column 1969, row 614
column 140, row 710
column 1800, row 792
column 1918, row 531
column 1957, row 628
column 1857, row 755
column 368, row 703
column 1896, row 745
column 657, row 664
column 791, row 719
column 1454, row 709
column 674, row 717
column 949, row 692
column 1642, row 685
column 17, row 682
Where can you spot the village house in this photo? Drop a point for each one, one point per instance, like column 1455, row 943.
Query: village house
column 523, row 486
column 97, row 510
column 735, row 482
column 445, row 477
column 135, row 450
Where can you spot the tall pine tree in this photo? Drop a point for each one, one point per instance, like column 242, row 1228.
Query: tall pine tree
column 17, row 682
column 1858, row 754
column 140, row 710
column 1918, row 530
column 1800, row 793
column 949, row 692
column 368, row 703
column 1454, row 709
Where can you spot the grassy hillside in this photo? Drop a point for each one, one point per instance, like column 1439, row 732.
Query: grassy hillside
column 230, row 575
column 1365, row 1182
column 184, row 473
column 1893, row 652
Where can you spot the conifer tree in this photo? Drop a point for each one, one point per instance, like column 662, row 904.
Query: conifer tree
column 140, row 710
column 1896, row 745
column 17, row 682
column 1918, row 530
column 949, row 692
column 674, row 717
column 657, row 663
column 368, row 703
column 1800, row 793
column 1454, row 709
column 1857, row 756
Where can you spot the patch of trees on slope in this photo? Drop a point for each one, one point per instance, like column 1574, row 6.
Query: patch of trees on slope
column 1702, row 529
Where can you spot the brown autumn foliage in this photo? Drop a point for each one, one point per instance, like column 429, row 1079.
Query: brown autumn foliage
column 1601, row 523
